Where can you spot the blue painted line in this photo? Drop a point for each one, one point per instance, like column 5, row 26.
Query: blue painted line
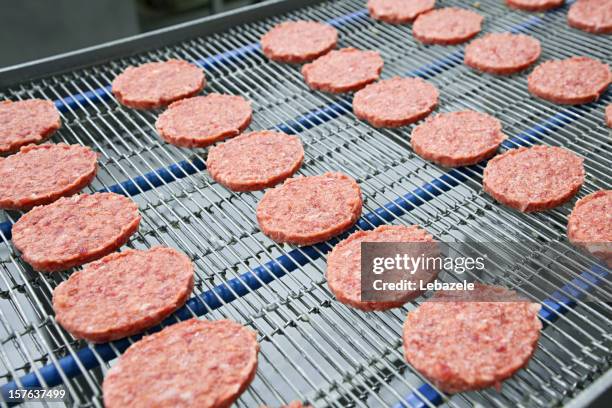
column 414, row 399
column 526, row 25
column 224, row 58
column 439, row 66
column 5, row 229
column 560, row 303
column 316, row 117
column 348, row 18
column 157, row 178
column 73, row 101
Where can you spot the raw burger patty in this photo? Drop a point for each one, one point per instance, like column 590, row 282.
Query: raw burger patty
column 534, row 5
column 344, row 265
column 395, row 102
column 75, row 230
column 298, row 41
column 307, row 210
column 594, row 16
column 25, row 122
column 197, row 363
column 570, row 81
column 461, row 344
column 457, row 138
column 608, row 114
column 255, row 160
column 534, row 179
column 590, row 224
column 203, row 120
column 398, row 11
column 41, row 174
column 157, row 84
column 123, row 293
column 502, row 53
column 447, row 26
column 344, row 70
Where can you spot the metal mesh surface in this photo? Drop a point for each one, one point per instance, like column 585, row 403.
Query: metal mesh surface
column 312, row 347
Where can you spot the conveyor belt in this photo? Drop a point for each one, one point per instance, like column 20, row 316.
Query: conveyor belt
column 314, row 348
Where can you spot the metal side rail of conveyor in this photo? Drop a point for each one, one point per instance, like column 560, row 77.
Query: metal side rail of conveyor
column 314, row 348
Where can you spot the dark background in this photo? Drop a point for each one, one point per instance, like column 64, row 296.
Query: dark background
column 33, row 29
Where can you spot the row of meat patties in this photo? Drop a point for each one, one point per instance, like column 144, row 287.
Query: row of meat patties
column 119, row 294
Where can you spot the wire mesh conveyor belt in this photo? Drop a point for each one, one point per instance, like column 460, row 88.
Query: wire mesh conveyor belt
column 312, row 347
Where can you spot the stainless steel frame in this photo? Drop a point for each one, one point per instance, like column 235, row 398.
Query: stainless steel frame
column 314, row 348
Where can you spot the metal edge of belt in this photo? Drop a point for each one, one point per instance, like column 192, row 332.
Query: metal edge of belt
column 597, row 395
column 253, row 279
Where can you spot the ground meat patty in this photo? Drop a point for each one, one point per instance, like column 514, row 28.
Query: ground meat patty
column 344, row 265
column 41, row 174
column 398, row 11
column 344, row 70
column 534, row 179
column 535, row 5
column 458, row 138
column 307, row 210
column 298, row 41
column 608, row 114
column 594, row 16
column 395, row 102
column 123, row 293
column 461, row 344
column 502, row 53
column 25, row 122
column 75, row 230
column 157, row 84
column 255, row 160
column 571, row 81
column 447, row 26
column 197, row 363
column 204, row 120
column 590, row 224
